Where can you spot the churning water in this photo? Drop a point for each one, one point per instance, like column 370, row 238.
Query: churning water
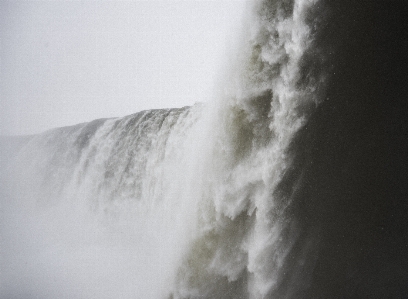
column 230, row 199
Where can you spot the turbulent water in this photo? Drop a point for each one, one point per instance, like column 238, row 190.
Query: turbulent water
column 290, row 184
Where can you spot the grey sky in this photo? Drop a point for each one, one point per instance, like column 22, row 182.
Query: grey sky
column 64, row 62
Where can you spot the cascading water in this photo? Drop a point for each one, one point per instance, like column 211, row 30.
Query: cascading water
column 176, row 202
column 114, row 194
column 218, row 200
column 243, row 233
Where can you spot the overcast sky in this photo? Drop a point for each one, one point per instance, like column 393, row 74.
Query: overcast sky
column 67, row 62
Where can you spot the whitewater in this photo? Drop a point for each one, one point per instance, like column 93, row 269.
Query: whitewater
column 172, row 203
column 192, row 202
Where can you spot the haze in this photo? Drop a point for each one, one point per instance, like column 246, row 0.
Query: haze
column 64, row 63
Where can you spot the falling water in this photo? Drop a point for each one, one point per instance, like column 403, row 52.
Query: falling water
column 173, row 202
column 196, row 202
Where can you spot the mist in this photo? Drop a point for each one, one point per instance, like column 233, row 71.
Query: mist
column 68, row 62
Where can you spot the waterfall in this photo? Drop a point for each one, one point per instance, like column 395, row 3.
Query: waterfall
column 216, row 200
column 180, row 203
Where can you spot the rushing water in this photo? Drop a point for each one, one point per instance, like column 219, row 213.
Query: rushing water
column 237, row 198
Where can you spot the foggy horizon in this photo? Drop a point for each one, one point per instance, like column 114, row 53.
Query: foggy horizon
column 65, row 63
